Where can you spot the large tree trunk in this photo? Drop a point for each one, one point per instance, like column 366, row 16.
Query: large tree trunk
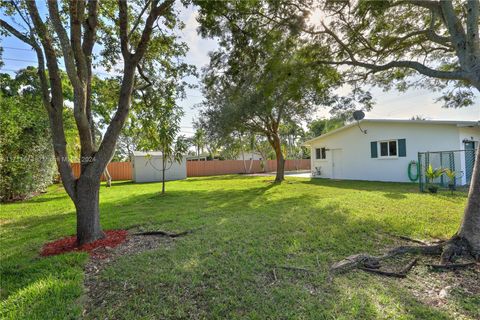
column 467, row 238
column 470, row 227
column 277, row 145
column 88, row 214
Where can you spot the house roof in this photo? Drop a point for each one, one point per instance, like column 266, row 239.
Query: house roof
column 447, row 122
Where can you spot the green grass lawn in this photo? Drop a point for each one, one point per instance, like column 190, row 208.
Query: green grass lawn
column 247, row 227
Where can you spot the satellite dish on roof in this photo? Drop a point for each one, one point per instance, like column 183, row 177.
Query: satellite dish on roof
column 359, row 115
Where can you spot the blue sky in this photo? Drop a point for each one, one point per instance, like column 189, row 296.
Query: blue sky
column 390, row 104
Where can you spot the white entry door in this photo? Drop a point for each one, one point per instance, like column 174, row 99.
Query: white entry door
column 337, row 165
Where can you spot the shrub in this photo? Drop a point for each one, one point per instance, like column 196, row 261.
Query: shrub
column 26, row 155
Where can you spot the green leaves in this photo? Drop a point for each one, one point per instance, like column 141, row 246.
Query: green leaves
column 432, row 173
column 26, row 157
column 256, row 82
column 403, row 44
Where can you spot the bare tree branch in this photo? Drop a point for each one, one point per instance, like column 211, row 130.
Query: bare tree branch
column 30, row 40
column 130, row 63
column 77, row 11
column 123, row 25
column 447, row 75
column 139, row 18
column 55, row 107
column 90, row 28
column 67, row 50
column 75, row 76
column 152, row 17
column 144, row 77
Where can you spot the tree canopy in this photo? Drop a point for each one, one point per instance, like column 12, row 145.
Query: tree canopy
column 260, row 78
column 432, row 44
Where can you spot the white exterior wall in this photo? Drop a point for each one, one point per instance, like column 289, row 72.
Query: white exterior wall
column 352, row 148
column 150, row 170
column 469, row 134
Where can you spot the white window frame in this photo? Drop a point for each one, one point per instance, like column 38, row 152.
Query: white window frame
column 325, row 158
column 388, row 149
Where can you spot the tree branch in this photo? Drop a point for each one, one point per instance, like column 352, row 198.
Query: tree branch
column 154, row 14
column 55, row 108
column 90, row 27
column 139, row 18
column 417, row 66
column 80, row 92
column 30, row 40
column 67, row 50
column 77, row 11
column 130, row 62
column 123, row 25
column 455, row 28
column 447, row 75
column 144, row 77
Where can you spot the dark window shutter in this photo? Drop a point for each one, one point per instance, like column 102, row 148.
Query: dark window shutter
column 373, row 149
column 402, row 147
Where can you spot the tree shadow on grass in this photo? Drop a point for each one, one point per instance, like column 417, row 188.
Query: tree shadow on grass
column 395, row 196
column 364, row 185
column 217, row 271
column 223, row 271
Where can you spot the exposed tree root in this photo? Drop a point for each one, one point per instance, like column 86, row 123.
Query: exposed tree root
column 448, row 251
column 454, row 248
column 401, row 274
column 368, row 261
column 412, row 240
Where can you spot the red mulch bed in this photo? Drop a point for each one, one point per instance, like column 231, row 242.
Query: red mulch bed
column 112, row 239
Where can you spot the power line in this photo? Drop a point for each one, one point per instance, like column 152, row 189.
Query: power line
column 21, row 60
column 96, row 72
column 21, row 49
column 101, row 73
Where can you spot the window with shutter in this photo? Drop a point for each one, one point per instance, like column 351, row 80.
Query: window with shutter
column 373, row 149
column 389, row 148
column 402, row 147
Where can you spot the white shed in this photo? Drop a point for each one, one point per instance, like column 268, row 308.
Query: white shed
column 147, row 167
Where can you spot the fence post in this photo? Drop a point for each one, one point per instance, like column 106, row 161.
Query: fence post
column 420, row 170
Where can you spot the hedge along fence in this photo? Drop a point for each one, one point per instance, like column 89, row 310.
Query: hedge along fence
column 219, row 167
column 124, row 171
column 118, row 170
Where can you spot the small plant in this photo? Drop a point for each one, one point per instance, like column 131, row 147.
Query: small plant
column 431, row 175
column 451, row 175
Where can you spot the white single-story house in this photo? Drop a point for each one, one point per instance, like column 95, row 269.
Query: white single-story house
column 383, row 151
column 147, row 167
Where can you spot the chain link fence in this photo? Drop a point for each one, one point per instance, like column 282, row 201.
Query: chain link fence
column 450, row 170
